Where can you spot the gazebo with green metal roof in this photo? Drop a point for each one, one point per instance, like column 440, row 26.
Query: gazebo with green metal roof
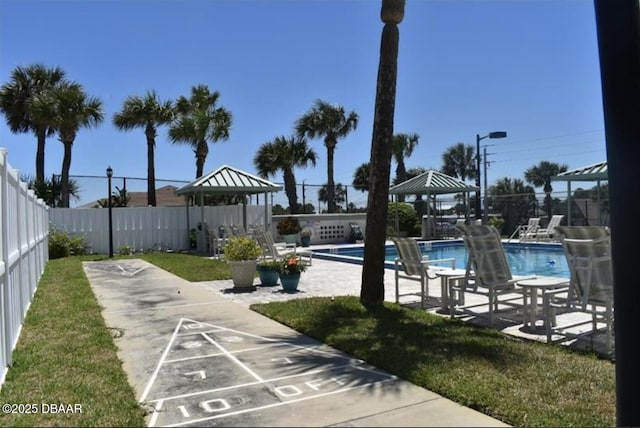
column 227, row 180
column 597, row 172
column 431, row 182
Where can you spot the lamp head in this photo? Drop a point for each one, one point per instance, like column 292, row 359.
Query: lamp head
column 109, row 172
column 497, row 134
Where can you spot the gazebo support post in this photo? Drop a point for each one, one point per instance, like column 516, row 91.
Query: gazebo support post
column 244, row 212
column 266, row 212
column 202, row 243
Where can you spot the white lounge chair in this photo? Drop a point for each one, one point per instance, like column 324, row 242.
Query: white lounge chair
column 529, row 230
column 487, row 273
column 411, row 264
column 274, row 250
column 591, row 287
column 216, row 243
column 548, row 233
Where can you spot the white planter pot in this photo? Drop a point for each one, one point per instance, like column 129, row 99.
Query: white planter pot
column 243, row 272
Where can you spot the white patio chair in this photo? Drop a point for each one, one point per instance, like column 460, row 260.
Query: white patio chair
column 529, row 230
column 487, row 273
column 591, row 287
column 274, row 250
column 411, row 264
column 548, row 233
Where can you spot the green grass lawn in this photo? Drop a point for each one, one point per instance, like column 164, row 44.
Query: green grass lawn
column 66, row 355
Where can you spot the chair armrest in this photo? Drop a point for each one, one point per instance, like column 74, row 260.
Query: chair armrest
column 549, row 296
column 452, row 261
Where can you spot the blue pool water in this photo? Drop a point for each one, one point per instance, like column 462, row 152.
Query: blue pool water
column 524, row 259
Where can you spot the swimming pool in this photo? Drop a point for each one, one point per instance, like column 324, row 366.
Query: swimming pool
column 524, row 259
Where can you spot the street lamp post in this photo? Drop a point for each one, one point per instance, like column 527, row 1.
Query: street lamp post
column 109, row 175
column 496, row 134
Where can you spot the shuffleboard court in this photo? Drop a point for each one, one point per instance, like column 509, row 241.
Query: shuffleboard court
column 210, row 373
column 194, row 358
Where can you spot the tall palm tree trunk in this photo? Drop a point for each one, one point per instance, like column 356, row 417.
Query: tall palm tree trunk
column 151, row 168
column 372, row 287
column 401, row 174
column 331, row 188
column 42, row 137
column 201, row 156
column 290, row 190
column 66, row 167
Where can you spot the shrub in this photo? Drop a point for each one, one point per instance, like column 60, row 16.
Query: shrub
column 242, row 248
column 407, row 216
column 125, row 250
column 61, row 244
column 496, row 222
column 270, row 264
column 288, row 226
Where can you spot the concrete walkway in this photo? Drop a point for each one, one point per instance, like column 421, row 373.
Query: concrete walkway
column 196, row 355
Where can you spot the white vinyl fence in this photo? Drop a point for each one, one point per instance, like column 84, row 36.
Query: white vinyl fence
column 24, row 231
column 149, row 228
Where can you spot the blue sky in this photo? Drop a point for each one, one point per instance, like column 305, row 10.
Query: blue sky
column 465, row 67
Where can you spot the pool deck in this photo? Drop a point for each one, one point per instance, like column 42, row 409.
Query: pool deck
column 328, row 278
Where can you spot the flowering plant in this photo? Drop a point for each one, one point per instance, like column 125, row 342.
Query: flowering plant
column 291, row 263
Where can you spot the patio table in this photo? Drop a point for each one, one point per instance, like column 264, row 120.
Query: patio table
column 531, row 288
column 446, row 277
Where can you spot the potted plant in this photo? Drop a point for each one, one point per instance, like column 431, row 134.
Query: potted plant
column 268, row 271
column 305, row 236
column 289, row 269
column 241, row 253
column 288, row 228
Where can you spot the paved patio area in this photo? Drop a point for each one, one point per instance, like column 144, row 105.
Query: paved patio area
column 332, row 278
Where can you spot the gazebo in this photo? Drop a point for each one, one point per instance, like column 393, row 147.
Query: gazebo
column 227, row 180
column 597, row 172
column 431, row 182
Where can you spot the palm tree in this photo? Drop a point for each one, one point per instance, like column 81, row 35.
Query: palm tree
column 339, row 194
column 459, row 161
column 284, row 154
column 16, row 105
column 146, row 112
column 512, row 198
column 372, row 287
column 198, row 121
column 330, row 122
column 361, row 177
column 540, row 175
column 49, row 189
column 403, row 147
column 74, row 110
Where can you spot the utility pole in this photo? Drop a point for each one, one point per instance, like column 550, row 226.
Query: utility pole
column 485, row 210
column 304, row 210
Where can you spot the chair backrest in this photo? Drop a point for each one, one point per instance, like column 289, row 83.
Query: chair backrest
column 268, row 244
column 410, row 254
column 261, row 238
column 486, row 256
column 554, row 222
column 583, row 232
column 532, row 225
column 591, row 270
column 228, row 231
